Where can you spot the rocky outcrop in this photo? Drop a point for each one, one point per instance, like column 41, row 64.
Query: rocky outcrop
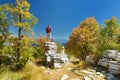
column 90, row 74
column 57, row 60
column 111, row 60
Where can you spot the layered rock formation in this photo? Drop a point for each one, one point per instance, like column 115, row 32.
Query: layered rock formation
column 111, row 60
column 57, row 60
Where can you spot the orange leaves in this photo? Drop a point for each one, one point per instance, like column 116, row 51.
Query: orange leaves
column 84, row 37
column 89, row 23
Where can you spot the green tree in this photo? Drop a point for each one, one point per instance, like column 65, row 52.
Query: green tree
column 111, row 28
column 109, row 36
column 4, row 25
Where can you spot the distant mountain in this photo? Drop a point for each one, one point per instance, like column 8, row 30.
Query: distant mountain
column 62, row 41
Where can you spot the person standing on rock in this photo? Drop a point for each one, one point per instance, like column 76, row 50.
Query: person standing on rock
column 48, row 31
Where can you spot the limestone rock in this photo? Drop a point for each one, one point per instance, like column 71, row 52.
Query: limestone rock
column 75, row 79
column 103, row 62
column 87, row 78
column 57, row 60
column 114, row 67
column 110, row 53
column 111, row 60
column 64, row 77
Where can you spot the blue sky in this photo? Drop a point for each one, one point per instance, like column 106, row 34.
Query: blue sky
column 64, row 15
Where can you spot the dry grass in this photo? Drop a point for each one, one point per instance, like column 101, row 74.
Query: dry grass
column 30, row 72
column 34, row 72
column 58, row 73
column 83, row 65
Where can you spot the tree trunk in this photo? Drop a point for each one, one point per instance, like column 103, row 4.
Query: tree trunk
column 19, row 38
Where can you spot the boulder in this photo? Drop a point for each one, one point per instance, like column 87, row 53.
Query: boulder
column 110, row 54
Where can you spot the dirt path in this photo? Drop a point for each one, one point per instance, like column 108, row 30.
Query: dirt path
column 59, row 74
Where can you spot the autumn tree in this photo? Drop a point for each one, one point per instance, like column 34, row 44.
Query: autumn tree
column 23, row 20
column 83, row 39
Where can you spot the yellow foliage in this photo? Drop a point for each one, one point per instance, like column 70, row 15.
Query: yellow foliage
column 27, row 15
column 26, row 4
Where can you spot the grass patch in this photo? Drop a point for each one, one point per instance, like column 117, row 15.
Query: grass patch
column 30, row 72
column 33, row 72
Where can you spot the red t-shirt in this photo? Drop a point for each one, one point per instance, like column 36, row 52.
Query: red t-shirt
column 48, row 29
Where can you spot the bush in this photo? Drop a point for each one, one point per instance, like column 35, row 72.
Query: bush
column 20, row 65
column 38, row 52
